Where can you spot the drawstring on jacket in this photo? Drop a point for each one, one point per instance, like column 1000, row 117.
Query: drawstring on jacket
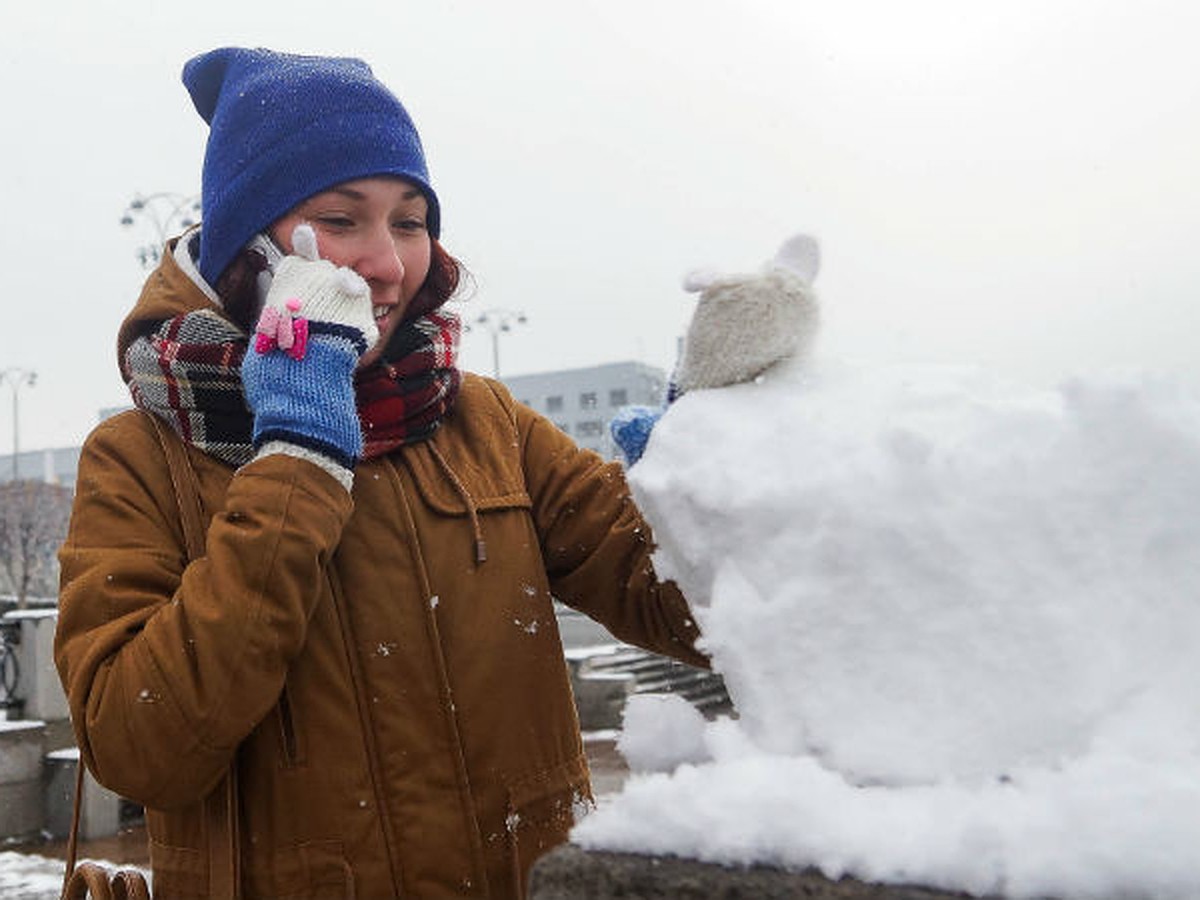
column 472, row 512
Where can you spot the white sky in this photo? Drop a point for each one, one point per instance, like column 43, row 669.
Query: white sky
column 1005, row 184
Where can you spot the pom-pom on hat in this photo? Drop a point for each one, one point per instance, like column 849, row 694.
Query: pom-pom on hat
column 283, row 128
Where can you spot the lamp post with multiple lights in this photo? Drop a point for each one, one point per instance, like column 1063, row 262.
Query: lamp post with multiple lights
column 16, row 378
column 167, row 213
column 497, row 321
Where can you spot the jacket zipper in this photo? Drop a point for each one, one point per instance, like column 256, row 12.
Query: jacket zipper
column 479, row 876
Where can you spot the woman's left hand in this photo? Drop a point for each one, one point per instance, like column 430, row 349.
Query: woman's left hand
column 299, row 373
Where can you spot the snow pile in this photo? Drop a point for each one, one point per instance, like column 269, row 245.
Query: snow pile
column 958, row 618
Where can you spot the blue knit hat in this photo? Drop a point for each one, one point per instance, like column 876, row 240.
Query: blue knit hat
column 285, row 127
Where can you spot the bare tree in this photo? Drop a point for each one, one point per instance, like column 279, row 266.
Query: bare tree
column 33, row 524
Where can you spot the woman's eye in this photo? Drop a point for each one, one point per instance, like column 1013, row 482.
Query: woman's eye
column 409, row 224
column 336, row 221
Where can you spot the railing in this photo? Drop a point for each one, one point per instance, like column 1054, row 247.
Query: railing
column 10, row 674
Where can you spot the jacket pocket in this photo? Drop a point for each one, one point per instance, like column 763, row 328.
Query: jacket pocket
column 291, row 749
column 315, row 869
column 458, row 487
column 178, row 871
column 541, row 810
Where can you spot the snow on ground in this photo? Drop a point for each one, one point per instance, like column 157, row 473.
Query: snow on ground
column 958, row 617
column 29, row 876
column 26, row 876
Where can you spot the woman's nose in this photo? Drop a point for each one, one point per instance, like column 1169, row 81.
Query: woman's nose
column 378, row 260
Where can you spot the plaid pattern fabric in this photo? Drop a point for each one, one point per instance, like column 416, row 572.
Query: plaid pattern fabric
column 403, row 402
column 188, row 373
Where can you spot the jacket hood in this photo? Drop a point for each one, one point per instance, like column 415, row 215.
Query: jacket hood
column 172, row 289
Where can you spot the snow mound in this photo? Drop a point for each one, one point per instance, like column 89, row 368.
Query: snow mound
column 957, row 617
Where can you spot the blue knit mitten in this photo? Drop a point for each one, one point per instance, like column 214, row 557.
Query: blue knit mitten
column 631, row 428
column 299, row 374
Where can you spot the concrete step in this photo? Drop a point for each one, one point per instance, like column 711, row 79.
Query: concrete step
column 654, row 674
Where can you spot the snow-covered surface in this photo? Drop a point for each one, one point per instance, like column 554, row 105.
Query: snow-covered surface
column 17, row 615
column 26, row 876
column 958, row 617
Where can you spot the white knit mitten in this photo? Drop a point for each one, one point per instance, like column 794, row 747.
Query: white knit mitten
column 298, row 375
column 327, row 293
column 744, row 324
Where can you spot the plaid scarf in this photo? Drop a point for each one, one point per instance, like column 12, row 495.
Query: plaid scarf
column 403, row 402
column 188, row 372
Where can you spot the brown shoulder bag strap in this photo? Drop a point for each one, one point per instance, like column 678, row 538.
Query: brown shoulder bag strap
column 220, row 807
column 89, row 879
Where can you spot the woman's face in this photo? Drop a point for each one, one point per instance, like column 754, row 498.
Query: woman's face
column 375, row 226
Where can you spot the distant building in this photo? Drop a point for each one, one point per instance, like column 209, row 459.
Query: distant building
column 583, row 401
column 56, row 466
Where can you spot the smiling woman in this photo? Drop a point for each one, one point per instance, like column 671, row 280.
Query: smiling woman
column 375, row 226
column 351, row 683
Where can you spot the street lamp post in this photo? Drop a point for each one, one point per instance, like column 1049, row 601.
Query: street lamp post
column 17, row 378
column 498, row 321
column 167, row 213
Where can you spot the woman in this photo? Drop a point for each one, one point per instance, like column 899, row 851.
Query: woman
column 368, row 636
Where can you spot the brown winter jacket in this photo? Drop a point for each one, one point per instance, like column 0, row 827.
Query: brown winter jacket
column 401, row 715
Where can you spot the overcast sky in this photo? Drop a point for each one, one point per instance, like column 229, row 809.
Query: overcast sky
column 1010, row 185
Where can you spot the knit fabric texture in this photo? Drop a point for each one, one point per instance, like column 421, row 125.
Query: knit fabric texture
column 631, row 428
column 188, row 371
column 285, row 127
column 403, row 401
column 309, row 401
column 742, row 325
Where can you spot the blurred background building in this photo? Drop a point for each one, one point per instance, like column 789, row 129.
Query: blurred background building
column 583, row 401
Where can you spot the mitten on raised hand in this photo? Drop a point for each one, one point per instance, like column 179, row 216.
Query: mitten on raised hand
column 631, row 427
column 298, row 373
column 744, row 324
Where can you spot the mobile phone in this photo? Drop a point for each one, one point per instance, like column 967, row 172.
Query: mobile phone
column 263, row 244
